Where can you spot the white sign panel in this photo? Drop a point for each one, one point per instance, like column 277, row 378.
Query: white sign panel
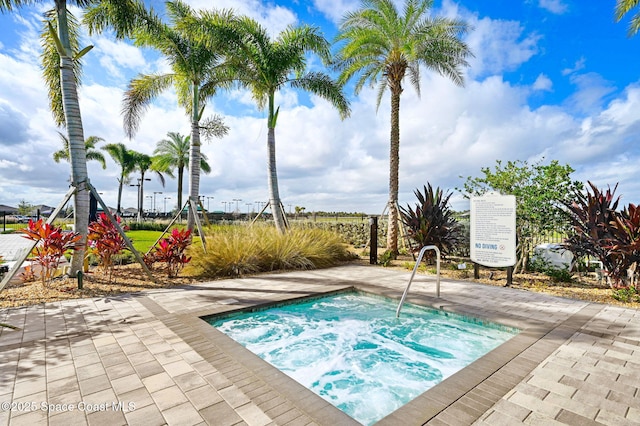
column 493, row 230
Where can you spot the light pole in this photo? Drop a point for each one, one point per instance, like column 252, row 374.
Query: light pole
column 140, row 206
column 248, row 205
column 165, row 204
column 208, row 200
column 225, row 205
column 155, row 210
column 237, row 200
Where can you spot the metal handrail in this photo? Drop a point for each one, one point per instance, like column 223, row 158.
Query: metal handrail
column 415, row 268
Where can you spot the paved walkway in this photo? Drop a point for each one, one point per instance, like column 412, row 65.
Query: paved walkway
column 149, row 359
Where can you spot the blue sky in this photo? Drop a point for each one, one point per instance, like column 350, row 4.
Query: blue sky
column 551, row 80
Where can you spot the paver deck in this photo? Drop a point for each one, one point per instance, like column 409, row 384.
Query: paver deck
column 149, row 358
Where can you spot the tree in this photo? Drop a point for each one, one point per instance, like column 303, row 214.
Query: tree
column 61, row 69
column 126, row 159
column 144, row 163
column 198, row 72
column 622, row 8
column 381, row 47
column 540, row 192
column 25, row 208
column 90, row 147
column 265, row 66
column 173, row 153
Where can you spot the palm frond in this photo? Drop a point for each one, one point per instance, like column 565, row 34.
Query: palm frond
column 141, row 91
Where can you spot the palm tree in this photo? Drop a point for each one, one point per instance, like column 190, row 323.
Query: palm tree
column 126, row 159
column 265, row 66
column 61, row 69
column 173, row 153
column 622, row 8
column 382, row 46
column 90, row 147
column 197, row 73
column 144, row 163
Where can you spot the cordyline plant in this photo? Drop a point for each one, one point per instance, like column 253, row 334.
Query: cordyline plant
column 105, row 242
column 431, row 222
column 51, row 245
column 610, row 236
column 171, row 250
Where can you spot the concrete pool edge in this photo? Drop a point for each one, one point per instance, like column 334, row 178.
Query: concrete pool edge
column 465, row 396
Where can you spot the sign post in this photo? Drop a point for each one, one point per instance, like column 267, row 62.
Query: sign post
column 493, row 230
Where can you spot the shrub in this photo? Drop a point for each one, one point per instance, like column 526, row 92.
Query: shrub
column 239, row 250
column 105, row 242
column 431, row 222
column 171, row 250
column 626, row 295
column 562, row 275
column 51, row 245
column 600, row 231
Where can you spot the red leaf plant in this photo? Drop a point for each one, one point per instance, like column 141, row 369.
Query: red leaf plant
column 171, row 251
column 105, row 242
column 51, row 245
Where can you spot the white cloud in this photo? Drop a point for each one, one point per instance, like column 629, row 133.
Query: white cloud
column 578, row 66
column 557, row 7
column 115, row 55
column 336, row 9
column 543, row 83
column 274, row 17
column 497, row 45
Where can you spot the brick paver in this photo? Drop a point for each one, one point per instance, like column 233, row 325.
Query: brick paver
column 149, row 358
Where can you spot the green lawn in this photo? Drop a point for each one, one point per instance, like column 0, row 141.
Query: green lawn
column 143, row 240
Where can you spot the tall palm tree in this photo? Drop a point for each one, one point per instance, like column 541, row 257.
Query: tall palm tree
column 173, row 153
column 61, row 69
column 266, row 65
column 126, row 159
column 144, row 163
column 622, row 8
column 198, row 72
column 382, row 46
column 90, row 147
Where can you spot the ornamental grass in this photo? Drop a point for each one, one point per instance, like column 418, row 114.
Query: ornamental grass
column 240, row 250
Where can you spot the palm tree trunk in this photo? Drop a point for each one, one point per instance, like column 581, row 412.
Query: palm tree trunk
column 141, row 198
column 120, row 183
column 180, row 176
column 394, row 166
column 194, row 169
column 73, row 119
column 274, row 193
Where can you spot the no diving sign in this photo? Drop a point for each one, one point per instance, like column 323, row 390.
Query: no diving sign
column 493, row 230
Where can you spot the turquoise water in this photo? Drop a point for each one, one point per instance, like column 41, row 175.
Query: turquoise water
column 352, row 351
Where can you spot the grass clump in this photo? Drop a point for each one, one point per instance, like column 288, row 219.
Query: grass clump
column 240, row 250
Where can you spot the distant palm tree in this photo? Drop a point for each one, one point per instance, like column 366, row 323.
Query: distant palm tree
column 265, row 66
column 144, row 163
column 173, row 153
column 89, row 145
column 126, row 159
column 198, row 72
column 622, row 8
column 383, row 46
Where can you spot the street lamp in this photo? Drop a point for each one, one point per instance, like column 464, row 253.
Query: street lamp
column 165, row 204
column 208, row 200
column 225, row 205
column 237, row 200
column 248, row 205
column 154, row 200
column 139, row 185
